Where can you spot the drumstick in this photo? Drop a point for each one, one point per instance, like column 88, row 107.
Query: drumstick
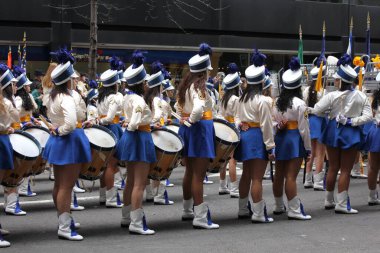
column 46, row 123
column 175, row 115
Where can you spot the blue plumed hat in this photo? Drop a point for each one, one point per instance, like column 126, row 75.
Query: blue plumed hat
column 6, row 76
column 20, row 75
column 268, row 81
column 345, row 71
column 232, row 79
column 136, row 73
column 111, row 77
column 210, row 83
column 201, row 61
column 156, row 77
column 65, row 70
column 292, row 77
column 255, row 73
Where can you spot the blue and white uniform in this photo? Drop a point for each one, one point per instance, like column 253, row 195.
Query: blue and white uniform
column 108, row 111
column 316, row 123
column 373, row 137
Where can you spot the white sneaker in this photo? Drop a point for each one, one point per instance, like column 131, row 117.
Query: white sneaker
column 344, row 206
column 66, row 228
column 51, row 174
column 138, row 223
column 168, row 183
column 355, row 172
column 25, row 189
column 4, row 243
column 77, row 189
column 149, row 196
column 202, row 218
column 74, row 206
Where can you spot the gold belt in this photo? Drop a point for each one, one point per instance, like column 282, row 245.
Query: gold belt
column 230, row 119
column 144, row 128
column 16, row 125
column 5, row 132
column 115, row 120
column 79, row 125
column 207, row 115
column 252, row 124
column 25, row 118
column 292, row 125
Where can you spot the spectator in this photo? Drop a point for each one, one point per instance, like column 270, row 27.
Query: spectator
column 82, row 85
column 37, row 95
column 38, row 76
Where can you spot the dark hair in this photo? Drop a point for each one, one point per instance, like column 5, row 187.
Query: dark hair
column 199, row 81
column 59, row 89
column 27, row 102
column 376, row 100
column 285, row 100
column 151, row 94
column 345, row 86
column 228, row 94
column 137, row 89
column 313, row 95
column 251, row 91
column 106, row 91
column 8, row 93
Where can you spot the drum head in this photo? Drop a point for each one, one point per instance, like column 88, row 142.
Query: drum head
column 100, row 137
column 167, row 140
column 174, row 128
column 41, row 134
column 225, row 132
column 43, row 124
column 25, row 145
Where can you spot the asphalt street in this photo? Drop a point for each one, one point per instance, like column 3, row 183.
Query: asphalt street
column 326, row 232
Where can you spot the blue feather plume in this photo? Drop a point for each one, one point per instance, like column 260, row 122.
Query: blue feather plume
column 121, row 65
column 3, row 68
column 156, row 67
column 17, row 71
column 167, row 75
column 344, row 60
column 137, row 59
column 62, row 56
column 258, row 59
column 232, row 68
column 294, row 64
column 114, row 63
column 320, row 59
column 204, row 49
column 267, row 73
column 93, row 84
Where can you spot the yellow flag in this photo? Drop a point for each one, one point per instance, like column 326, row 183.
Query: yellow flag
column 360, row 79
column 318, row 84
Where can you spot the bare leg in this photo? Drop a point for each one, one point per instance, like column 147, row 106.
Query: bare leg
column 373, row 170
column 127, row 194
column 257, row 172
column 278, row 181
column 293, row 167
column 187, row 179
column 334, row 166
column 245, row 181
column 199, row 167
column 140, row 172
column 346, row 163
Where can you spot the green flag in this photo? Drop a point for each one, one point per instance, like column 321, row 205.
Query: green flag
column 300, row 51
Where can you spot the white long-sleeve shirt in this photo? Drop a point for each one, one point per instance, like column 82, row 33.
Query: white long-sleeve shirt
column 10, row 115
column 137, row 111
column 351, row 104
column 259, row 110
column 195, row 104
column 231, row 109
column 92, row 112
column 80, row 106
column 297, row 113
column 109, row 107
column 63, row 113
column 305, row 95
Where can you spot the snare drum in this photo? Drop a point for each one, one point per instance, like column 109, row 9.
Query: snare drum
column 227, row 137
column 174, row 127
column 168, row 148
column 102, row 142
column 42, row 135
column 26, row 149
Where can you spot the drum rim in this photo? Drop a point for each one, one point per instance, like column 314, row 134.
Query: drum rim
column 35, row 127
column 173, row 124
column 170, row 131
column 96, row 147
column 222, row 121
column 23, row 157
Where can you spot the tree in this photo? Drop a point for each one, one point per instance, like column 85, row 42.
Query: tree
column 92, row 63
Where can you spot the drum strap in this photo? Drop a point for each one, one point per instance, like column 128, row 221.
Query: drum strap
column 144, row 128
column 207, row 115
column 115, row 120
column 230, row 119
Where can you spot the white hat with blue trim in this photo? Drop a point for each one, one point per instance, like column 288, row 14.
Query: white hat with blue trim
column 167, row 86
column 201, row 61
column 345, row 71
column 65, row 70
column 210, row 83
column 315, row 71
column 292, row 77
column 111, row 77
column 157, row 76
column 136, row 73
column 255, row 73
column 22, row 79
column 93, row 92
column 7, row 77
column 232, row 80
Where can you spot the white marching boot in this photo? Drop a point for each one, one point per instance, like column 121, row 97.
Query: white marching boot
column 168, row 183
column 119, row 181
column 66, row 228
column 260, row 213
column 318, row 181
column 267, row 174
column 77, row 188
column 51, row 173
column 188, row 210
column 113, row 198
column 202, row 217
column 234, row 189
column 3, row 243
column 74, row 206
column 162, row 197
column 329, row 200
column 223, row 189
column 12, row 206
column 373, row 198
column 102, row 195
column 355, row 172
column 344, row 206
column 138, row 223
column 25, row 189
column 279, row 206
column 245, row 210
column 308, row 180
column 296, row 211
column 206, row 181
column 125, row 216
column 149, row 195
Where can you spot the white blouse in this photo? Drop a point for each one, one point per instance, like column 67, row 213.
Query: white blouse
column 109, row 107
column 231, row 109
column 80, row 106
column 20, row 108
column 63, row 113
column 92, row 112
column 137, row 111
column 10, row 116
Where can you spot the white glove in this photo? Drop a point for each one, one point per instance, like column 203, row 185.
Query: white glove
column 341, row 119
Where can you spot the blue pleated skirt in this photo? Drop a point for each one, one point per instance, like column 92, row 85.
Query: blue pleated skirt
column 136, row 146
column 116, row 129
column 317, row 124
column 372, row 143
column 6, row 152
column 289, row 145
column 251, row 145
column 198, row 139
column 340, row 136
column 68, row 149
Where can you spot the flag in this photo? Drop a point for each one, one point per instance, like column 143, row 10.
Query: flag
column 19, row 56
column 318, row 84
column 360, row 77
column 368, row 41
column 23, row 64
column 9, row 62
column 300, row 46
column 350, row 42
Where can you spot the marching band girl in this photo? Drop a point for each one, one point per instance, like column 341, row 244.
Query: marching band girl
column 136, row 147
column 108, row 106
column 8, row 115
column 292, row 141
column 257, row 144
column 317, row 124
column 67, row 148
column 195, row 107
column 228, row 110
column 349, row 108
